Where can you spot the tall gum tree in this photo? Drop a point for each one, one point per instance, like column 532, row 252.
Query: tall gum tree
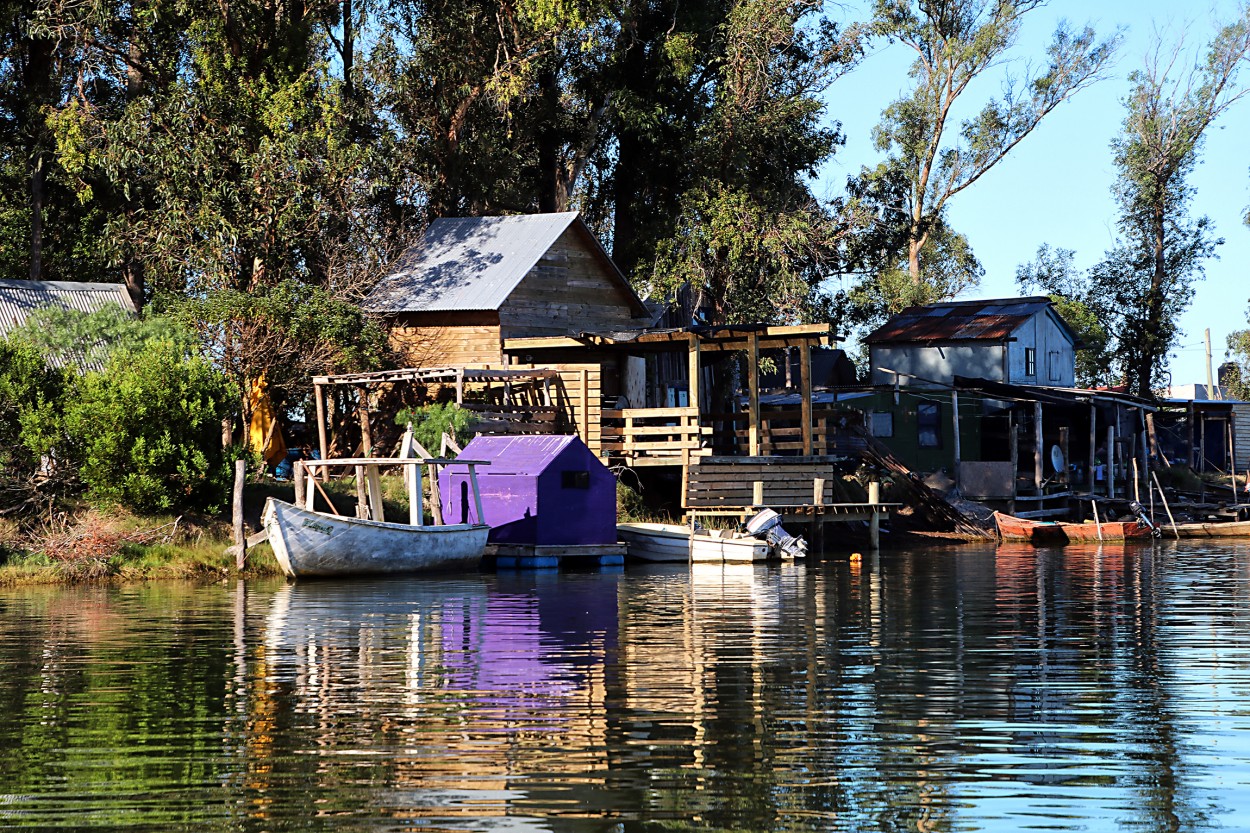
column 955, row 42
column 1162, row 249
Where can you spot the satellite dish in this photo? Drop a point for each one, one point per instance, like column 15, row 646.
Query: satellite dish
column 1056, row 459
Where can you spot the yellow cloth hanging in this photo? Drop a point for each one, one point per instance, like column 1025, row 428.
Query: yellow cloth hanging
column 264, row 435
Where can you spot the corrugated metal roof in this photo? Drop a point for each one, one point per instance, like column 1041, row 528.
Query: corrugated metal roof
column 470, row 263
column 18, row 299
column 992, row 320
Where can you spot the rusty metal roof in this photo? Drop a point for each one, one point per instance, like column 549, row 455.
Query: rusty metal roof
column 991, row 320
column 474, row 263
column 18, row 299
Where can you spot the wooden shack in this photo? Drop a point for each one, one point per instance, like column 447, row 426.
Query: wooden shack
column 472, row 282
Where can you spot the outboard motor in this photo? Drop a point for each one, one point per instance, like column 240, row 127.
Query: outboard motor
column 1143, row 518
column 766, row 525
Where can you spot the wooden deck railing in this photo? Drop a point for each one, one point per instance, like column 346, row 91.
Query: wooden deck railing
column 781, row 433
column 654, row 436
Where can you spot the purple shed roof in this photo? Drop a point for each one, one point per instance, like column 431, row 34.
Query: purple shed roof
column 528, row 454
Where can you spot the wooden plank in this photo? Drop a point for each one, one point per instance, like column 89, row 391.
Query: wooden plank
column 805, row 396
column 753, row 390
column 319, row 396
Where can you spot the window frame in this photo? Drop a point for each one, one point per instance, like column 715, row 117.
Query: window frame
column 929, row 425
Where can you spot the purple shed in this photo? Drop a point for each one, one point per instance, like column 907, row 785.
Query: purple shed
column 541, row 489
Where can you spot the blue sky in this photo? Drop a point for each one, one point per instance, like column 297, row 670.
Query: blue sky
column 1055, row 186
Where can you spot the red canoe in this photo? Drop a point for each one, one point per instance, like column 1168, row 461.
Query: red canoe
column 1011, row 528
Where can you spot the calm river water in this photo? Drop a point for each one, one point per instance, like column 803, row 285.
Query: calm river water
column 948, row 689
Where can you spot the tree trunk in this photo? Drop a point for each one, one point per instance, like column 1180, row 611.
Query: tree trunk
column 1151, row 352
column 549, row 141
column 349, row 49
column 37, row 192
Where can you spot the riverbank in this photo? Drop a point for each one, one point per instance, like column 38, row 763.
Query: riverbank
column 79, row 544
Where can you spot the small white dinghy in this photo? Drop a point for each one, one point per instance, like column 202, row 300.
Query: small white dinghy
column 763, row 539
column 311, row 543
column 673, row 542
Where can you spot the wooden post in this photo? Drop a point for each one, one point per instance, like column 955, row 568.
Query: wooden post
column 1097, row 522
column 1232, row 457
column 817, row 527
column 1038, row 473
column 757, row 493
column 805, row 397
column 459, row 388
column 366, row 432
column 416, row 512
column 362, row 498
column 412, row 479
column 955, row 426
column 874, row 523
column 693, row 392
column 1136, row 491
column 585, row 420
column 1143, row 451
column 1014, row 448
column 310, row 495
column 1189, row 452
column 477, row 494
column 373, row 482
column 1166, row 508
column 753, row 389
column 1202, row 442
column 240, row 533
column 1064, row 443
column 1111, row 459
column 1151, row 437
column 1093, row 444
column 320, row 396
column 298, row 474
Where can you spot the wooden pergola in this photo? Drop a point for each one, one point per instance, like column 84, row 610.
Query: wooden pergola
column 457, row 376
column 695, row 341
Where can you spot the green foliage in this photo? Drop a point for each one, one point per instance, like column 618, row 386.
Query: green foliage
column 431, row 422
column 146, row 431
column 1085, row 311
column 71, row 337
column 31, row 404
column 284, row 334
column 956, row 42
column 1238, row 380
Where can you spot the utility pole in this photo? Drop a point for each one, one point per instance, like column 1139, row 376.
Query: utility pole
column 1211, row 391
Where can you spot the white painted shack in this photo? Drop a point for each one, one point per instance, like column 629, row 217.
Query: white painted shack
column 1017, row 341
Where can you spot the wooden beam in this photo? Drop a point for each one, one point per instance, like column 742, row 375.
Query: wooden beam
column 753, row 386
column 1111, row 459
column 805, row 396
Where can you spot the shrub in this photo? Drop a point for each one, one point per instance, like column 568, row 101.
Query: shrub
column 430, row 422
column 146, row 431
column 31, row 403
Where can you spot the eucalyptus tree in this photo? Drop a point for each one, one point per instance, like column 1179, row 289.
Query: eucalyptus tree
column 751, row 241
column 1161, row 249
column 956, row 42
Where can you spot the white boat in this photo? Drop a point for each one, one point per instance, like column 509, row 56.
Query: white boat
column 673, row 542
column 307, row 542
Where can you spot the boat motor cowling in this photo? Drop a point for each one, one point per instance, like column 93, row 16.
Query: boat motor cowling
column 766, row 525
column 1143, row 518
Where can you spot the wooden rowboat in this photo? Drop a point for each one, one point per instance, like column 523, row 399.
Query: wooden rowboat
column 1011, row 528
column 673, row 542
column 307, row 542
column 1219, row 529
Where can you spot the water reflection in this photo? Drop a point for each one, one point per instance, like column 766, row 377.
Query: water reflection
column 1099, row 687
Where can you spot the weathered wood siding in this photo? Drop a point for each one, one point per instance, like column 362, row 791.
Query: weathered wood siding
column 447, row 339
column 1241, row 436
column 570, row 290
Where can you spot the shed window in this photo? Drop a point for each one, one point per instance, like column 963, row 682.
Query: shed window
column 929, row 425
column 575, row 479
column 1030, row 361
column 882, row 424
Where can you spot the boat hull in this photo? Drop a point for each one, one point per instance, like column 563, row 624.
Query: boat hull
column 308, row 544
column 672, row 543
column 1011, row 528
column 1226, row 529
